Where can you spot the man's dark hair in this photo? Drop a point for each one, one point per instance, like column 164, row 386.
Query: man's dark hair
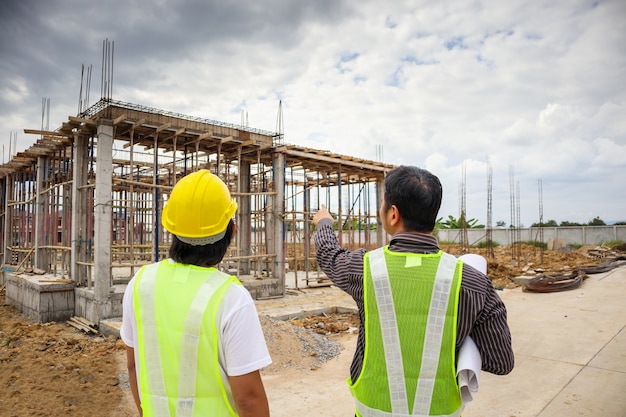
column 202, row 255
column 417, row 195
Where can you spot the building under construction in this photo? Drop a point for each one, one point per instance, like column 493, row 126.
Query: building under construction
column 80, row 208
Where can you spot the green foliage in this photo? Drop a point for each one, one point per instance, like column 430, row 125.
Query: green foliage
column 460, row 223
column 500, row 223
column 567, row 223
column 619, row 224
column 549, row 223
column 9, row 341
column 355, row 224
column 613, row 243
column 597, row 221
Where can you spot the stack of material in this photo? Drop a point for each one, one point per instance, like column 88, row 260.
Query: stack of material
column 83, row 324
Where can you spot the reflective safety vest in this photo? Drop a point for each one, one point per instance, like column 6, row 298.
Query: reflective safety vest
column 409, row 366
column 177, row 340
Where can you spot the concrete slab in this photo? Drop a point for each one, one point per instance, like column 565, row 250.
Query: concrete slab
column 593, row 392
column 554, row 321
column 524, row 392
column 570, row 350
column 613, row 356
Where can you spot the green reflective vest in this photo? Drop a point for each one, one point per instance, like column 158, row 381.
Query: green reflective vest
column 410, row 336
column 177, row 341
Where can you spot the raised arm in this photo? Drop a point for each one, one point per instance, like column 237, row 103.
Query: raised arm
column 342, row 266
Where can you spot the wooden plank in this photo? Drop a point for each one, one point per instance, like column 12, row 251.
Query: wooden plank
column 44, row 132
column 78, row 324
column 163, row 127
column 205, row 135
column 336, row 161
column 119, row 119
column 80, row 121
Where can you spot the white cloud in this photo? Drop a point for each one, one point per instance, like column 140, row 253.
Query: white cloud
column 538, row 87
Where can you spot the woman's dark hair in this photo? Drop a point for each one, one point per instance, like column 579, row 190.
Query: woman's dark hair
column 204, row 255
column 417, row 195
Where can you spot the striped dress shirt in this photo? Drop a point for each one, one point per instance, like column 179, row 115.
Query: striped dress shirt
column 481, row 313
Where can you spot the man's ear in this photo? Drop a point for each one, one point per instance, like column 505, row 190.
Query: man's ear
column 394, row 216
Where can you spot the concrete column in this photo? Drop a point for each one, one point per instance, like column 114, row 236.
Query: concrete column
column 38, row 255
column 102, row 211
column 381, row 235
column 244, row 220
column 339, row 207
column 156, row 199
column 79, row 210
column 8, row 215
column 307, row 226
column 279, row 219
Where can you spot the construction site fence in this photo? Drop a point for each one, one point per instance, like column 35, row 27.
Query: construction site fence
column 573, row 235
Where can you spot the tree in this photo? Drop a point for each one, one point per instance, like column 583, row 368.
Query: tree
column 549, row 223
column 460, row 223
column 500, row 223
column 597, row 221
column 568, row 223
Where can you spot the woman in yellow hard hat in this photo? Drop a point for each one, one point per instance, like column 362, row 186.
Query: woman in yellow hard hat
column 195, row 345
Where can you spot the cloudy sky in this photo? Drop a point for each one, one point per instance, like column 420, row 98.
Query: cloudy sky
column 538, row 88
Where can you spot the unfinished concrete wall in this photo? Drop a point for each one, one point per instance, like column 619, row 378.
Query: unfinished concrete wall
column 40, row 299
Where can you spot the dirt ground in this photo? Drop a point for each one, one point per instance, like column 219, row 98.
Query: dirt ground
column 53, row 369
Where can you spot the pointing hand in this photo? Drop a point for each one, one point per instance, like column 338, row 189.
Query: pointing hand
column 321, row 214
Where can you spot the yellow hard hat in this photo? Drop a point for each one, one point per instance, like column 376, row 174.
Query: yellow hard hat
column 199, row 209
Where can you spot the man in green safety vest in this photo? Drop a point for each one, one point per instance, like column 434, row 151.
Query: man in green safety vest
column 417, row 306
column 193, row 338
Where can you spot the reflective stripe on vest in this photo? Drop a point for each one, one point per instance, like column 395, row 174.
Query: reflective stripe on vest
column 152, row 381
column 443, row 287
column 365, row 411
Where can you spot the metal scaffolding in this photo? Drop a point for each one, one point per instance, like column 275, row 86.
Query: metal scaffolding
column 84, row 201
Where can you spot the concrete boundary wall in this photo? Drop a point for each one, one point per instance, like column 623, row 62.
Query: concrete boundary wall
column 575, row 235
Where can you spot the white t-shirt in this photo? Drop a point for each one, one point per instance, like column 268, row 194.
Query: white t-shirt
column 242, row 347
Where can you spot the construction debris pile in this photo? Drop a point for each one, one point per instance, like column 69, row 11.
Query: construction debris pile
column 293, row 346
column 572, row 280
